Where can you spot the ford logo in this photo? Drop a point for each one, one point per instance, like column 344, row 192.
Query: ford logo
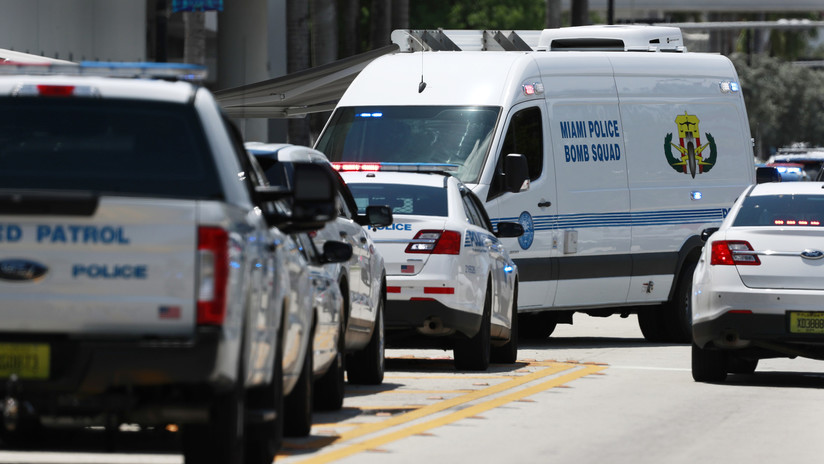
column 21, row 269
column 812, row 254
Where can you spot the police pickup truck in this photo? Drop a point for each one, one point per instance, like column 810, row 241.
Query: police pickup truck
column 141, row 262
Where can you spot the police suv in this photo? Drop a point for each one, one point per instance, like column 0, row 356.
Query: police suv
column 141, row 274
column 450, row 281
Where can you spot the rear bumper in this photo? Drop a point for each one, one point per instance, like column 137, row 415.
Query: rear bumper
column 420, row 314
column 89, row 376
column 759, row 331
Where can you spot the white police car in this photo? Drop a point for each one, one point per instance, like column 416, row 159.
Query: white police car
column 142, row 261
column 450, row 281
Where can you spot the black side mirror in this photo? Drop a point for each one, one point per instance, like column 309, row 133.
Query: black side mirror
column 509, row 229
column 376, row 216
column 705, row 234
column 314, row 198
column 516, row 173
column 336, row 252
column 767, row 174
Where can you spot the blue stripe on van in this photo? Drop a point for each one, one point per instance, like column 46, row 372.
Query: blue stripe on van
column 624, row 219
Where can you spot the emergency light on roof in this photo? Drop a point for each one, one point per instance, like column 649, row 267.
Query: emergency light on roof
column 143, row 70
column 402, row 167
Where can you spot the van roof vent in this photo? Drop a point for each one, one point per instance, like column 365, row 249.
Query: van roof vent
column 612, row 38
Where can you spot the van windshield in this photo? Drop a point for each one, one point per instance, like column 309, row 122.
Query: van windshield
column 459, row 135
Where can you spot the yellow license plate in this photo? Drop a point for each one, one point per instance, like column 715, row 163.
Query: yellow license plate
column 807, row 323
column 27, row 360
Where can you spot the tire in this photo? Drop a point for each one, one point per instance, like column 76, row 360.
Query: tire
column 263, row 441
column 367, row 367
column 708, row 365
column 508, row 353
column 330, row 389
column 472, row 354
column 537, row 326
column 221, row 440
column 651, row 323
column 678, row 312
column 739, row 365
column 298, row 405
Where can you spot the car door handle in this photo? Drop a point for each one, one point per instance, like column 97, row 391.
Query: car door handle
column 544, row 204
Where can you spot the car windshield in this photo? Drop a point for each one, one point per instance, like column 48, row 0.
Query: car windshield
column 459, row 135
column 106, row 146
column 781, row 210
column 403, row 199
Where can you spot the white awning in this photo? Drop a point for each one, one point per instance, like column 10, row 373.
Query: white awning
column 295, row 95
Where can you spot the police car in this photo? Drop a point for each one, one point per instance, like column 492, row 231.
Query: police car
column 142, row 263
column 450, row 281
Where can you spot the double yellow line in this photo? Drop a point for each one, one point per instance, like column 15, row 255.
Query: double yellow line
column 367, row 429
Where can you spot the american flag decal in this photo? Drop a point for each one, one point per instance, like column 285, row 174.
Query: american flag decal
column 407, row 269
column 168, row 312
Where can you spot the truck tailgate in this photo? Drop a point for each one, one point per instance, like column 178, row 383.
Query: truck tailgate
column 126, row 269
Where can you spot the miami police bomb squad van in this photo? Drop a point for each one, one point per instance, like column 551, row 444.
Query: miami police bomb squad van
column 611, row 145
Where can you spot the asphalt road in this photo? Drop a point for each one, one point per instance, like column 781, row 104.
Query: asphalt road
column 594, row 392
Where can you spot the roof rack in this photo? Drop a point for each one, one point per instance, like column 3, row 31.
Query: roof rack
column 580, row 38
column 141, row 70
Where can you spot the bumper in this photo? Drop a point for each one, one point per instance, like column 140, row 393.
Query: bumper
column 431, row 317
column 759, row 331
column 89, row 376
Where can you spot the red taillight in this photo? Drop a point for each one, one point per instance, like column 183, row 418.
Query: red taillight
column 436, row 242
column 733, row 252
column 213, row 275
column 55, row 90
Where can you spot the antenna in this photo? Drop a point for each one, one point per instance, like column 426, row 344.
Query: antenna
column 422, row 84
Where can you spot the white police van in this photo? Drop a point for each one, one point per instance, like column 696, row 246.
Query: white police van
column 142, row 278
column 450, row 283
column 632, row 147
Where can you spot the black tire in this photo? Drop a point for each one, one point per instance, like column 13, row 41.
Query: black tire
column 298, row 404
column 221, row 440
column 678, row 312
column 263, row 440
column 537, row 326
column 367, row 366
column 473, row 353
column 708, row 365
column 508, row 353
column 740, row 365
column 330, row 388
column 651, row 322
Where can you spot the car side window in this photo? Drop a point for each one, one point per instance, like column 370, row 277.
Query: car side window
column 524, row 136
column 472, row 214
column 478, row 207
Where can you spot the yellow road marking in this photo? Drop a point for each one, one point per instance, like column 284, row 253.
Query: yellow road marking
column 372, row 427
column 467, row 412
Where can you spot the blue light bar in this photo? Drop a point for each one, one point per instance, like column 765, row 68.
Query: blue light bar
column 145, row 70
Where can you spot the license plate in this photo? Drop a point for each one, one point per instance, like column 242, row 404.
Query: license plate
column 807, row 323
column 27, row 360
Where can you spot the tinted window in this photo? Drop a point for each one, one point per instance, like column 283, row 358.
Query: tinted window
column 781, row 210
column 105, row 145
column 403, row 199
column 524, row 136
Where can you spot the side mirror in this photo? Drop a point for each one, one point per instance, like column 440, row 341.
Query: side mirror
column 314, row 198
column 509, row 229
column 705, row 234
column 376, row 216
column 765, row 174
column 335, row 252
column 516, row 173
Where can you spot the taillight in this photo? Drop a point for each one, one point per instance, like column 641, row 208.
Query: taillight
column 213, row 274
column 733, row 252
column 55, row 90
column 436, row 242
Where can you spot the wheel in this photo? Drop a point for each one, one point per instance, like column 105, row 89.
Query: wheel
column 263, row 440
column 368, row 365
column 472, row 354
column 708, row 365
column 651, row 322
column 330, row 389
column 537, row 326
column 508, row 353
column 221, row 440
column 298, row 405
column 740, row 365
column 678, row 312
